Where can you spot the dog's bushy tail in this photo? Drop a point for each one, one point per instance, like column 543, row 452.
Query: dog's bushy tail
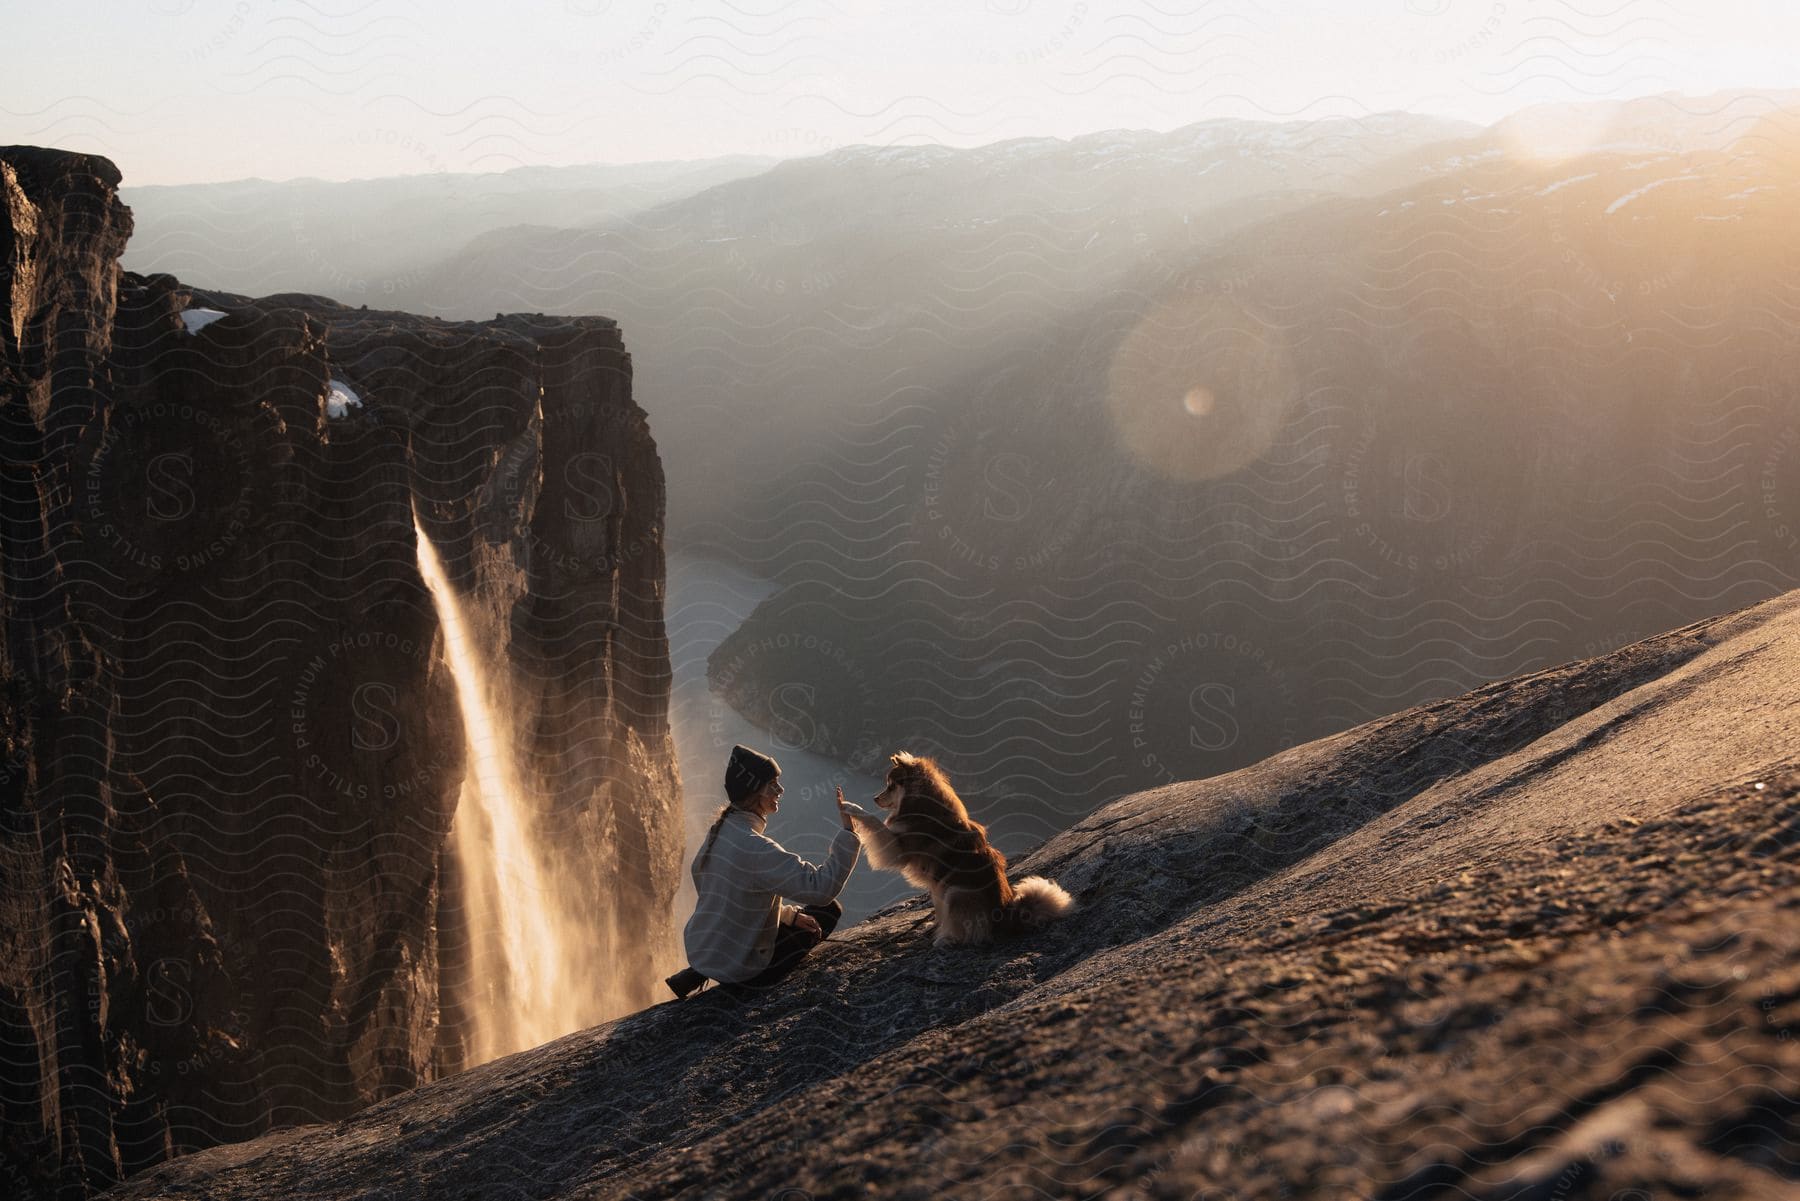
column 1036, row 902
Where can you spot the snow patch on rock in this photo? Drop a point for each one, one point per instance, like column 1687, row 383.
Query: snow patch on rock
column 340, row 399
column 198, row 319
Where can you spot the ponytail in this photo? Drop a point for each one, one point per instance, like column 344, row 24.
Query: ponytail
column 711, row 834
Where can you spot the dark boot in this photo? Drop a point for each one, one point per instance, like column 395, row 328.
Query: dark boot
column 684, row 982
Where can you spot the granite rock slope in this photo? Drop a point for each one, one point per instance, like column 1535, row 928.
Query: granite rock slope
column 1535, row 941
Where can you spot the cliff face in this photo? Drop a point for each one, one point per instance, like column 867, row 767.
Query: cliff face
column 233, row 750
column 1535, row 941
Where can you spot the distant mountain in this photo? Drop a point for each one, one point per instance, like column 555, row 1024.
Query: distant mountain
column 1678, row 124
column 362, row 240
column 785, row 307
column 1355, row 456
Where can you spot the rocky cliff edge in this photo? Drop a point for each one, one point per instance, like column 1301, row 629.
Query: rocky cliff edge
column 232, row 747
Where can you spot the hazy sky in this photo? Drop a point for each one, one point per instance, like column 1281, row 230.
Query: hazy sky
column 187, row 90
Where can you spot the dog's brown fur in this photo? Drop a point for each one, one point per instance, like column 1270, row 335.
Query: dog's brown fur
column 930, row 839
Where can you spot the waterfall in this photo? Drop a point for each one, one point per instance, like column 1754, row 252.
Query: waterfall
column 531, row 958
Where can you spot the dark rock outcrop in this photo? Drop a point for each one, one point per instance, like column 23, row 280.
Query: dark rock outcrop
column 232, row 746
column 1535, row 941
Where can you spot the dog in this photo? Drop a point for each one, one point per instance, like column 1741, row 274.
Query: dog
column 930, row 839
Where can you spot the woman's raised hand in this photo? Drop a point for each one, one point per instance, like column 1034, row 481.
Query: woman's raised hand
column 843, row 813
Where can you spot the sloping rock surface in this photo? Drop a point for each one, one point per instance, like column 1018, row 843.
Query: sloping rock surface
column 1536, row 941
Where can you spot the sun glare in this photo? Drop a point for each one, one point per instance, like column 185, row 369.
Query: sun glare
column 1199, row 387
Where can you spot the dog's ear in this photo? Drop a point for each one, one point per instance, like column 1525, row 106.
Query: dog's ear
column 903, row 759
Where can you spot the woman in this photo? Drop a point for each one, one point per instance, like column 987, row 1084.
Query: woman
column 746, row 928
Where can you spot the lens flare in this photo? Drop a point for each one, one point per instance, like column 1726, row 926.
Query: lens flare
column 1199, row 402
column 1199, row 388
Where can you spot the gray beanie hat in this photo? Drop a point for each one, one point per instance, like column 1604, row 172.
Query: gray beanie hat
column 746, row 772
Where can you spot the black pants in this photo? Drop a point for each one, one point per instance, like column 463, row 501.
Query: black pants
column 792, row 944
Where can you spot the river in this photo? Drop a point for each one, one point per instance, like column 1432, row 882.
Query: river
column 707, row 600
